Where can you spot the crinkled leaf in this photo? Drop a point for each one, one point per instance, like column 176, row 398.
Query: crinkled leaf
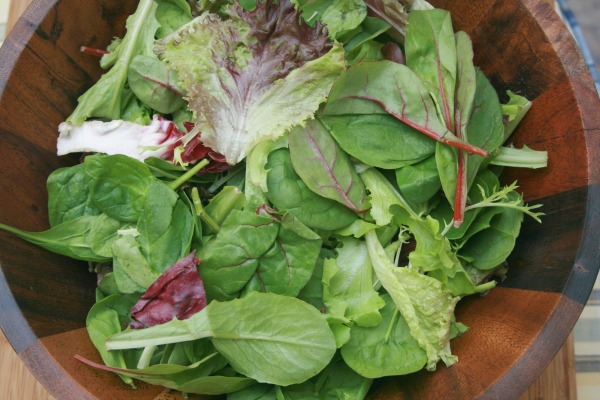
column 423, row 301
column 238, row 72
column 349, row 280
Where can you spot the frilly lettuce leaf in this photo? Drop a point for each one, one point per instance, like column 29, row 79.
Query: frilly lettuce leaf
column 252, row 76
column 424, row 302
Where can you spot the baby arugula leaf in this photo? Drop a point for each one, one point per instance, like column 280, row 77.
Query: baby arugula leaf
column 262, row 326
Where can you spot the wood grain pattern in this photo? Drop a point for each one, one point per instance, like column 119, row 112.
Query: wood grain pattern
column 515, row 331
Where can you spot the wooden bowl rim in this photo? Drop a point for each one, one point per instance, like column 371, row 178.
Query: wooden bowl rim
column 573, row 297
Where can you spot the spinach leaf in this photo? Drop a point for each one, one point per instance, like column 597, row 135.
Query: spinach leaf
column 379, row 140
column 231, row 259
column 132, row 270
column 106, row 318
column 289, row 193
column 262, row 326
column 70, row 238
column 419, row 182
column 490, row 247
column 386, row 349
column 165, row 227
column 69, row 195
column 370, row 28
column 324, row 167
column 103, row 233
column 288, row 265
column 119, row 195
column 172, row 14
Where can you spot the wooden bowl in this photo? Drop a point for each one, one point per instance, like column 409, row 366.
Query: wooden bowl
column 516, row 329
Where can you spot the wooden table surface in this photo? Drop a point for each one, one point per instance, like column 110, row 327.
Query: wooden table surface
column 557, row 382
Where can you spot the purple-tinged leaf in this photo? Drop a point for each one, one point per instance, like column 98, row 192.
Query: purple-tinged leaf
column 177, row 293
column 253, row 76
column 386, row 87
column 324, row 167
column 431, row 53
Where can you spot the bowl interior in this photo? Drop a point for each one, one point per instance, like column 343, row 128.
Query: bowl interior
column 515, row 330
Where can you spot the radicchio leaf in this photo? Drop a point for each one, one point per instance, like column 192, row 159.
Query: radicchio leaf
column 177, row 293
column 253, row 76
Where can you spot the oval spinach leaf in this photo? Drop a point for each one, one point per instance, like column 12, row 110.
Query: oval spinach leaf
column 263, row 327
column 69, row 195
column 119, row 195
column 380, row 140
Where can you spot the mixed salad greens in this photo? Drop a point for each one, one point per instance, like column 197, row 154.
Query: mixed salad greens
column 285, row 199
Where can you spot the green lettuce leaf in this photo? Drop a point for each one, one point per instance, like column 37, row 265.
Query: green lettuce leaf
column 105, row 98
column 425, row 304
column 253, row 76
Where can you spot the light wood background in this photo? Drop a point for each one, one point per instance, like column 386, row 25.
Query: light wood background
column 557, row 382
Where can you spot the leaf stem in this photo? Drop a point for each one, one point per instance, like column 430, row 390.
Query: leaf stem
column 188, row 175
column 390, row 328
column 201, row 212
column 146, row 356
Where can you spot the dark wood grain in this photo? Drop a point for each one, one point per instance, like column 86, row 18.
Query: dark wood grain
column 515, row 330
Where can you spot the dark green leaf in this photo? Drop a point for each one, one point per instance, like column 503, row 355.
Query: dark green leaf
column 380, row 140
column 119, row 195
column 69, row 195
